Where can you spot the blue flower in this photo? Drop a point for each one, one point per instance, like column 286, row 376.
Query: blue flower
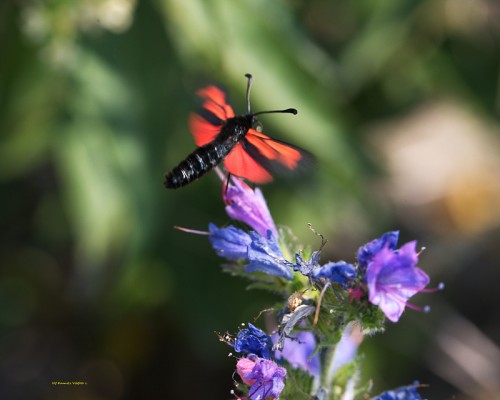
column 339, row 272
column 265, row 378
column 401, row 393
column 265, row 255
column 368, row 251
column 255, row 341
column 392, row 278
column 229, row 242
column 249, row 206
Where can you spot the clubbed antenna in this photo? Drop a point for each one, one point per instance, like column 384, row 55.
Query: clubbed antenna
column 288, row 111
column 249, row 85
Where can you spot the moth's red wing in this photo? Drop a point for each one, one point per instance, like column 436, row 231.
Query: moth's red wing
column 215, row 102
column 241, row 164
column 203, row 131
column 206, row 125
column 258, row 157
column 273, row 150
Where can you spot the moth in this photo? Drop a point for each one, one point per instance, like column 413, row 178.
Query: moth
column 236, row 140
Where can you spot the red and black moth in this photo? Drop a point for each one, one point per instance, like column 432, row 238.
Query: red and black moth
column 236, row 139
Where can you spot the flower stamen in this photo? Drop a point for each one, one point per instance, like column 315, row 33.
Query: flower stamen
column 439, row 287
column 195, row 231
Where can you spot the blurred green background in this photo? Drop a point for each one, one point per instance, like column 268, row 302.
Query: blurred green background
column 398, row 100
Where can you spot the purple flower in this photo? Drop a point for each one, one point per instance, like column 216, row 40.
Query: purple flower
column 249, row 206
column 266, row 379
column 393, row 278
column 253, row 340
column 339, row 272
column 298, row 350
column 401, row 393
column 229, row 242
column 369, row 250
column 265, row 255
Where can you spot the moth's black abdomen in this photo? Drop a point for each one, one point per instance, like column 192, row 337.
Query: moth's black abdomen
column 197, row 164
column 204, row 158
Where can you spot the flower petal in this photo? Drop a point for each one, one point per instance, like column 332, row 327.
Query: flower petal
column 339, row 272
column 368, row 251
column 265, row 255
column 248, row 206
column 229, row 242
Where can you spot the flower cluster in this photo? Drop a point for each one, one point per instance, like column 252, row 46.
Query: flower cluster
column 265, row 378
column 325, row 302
column 258, row 367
